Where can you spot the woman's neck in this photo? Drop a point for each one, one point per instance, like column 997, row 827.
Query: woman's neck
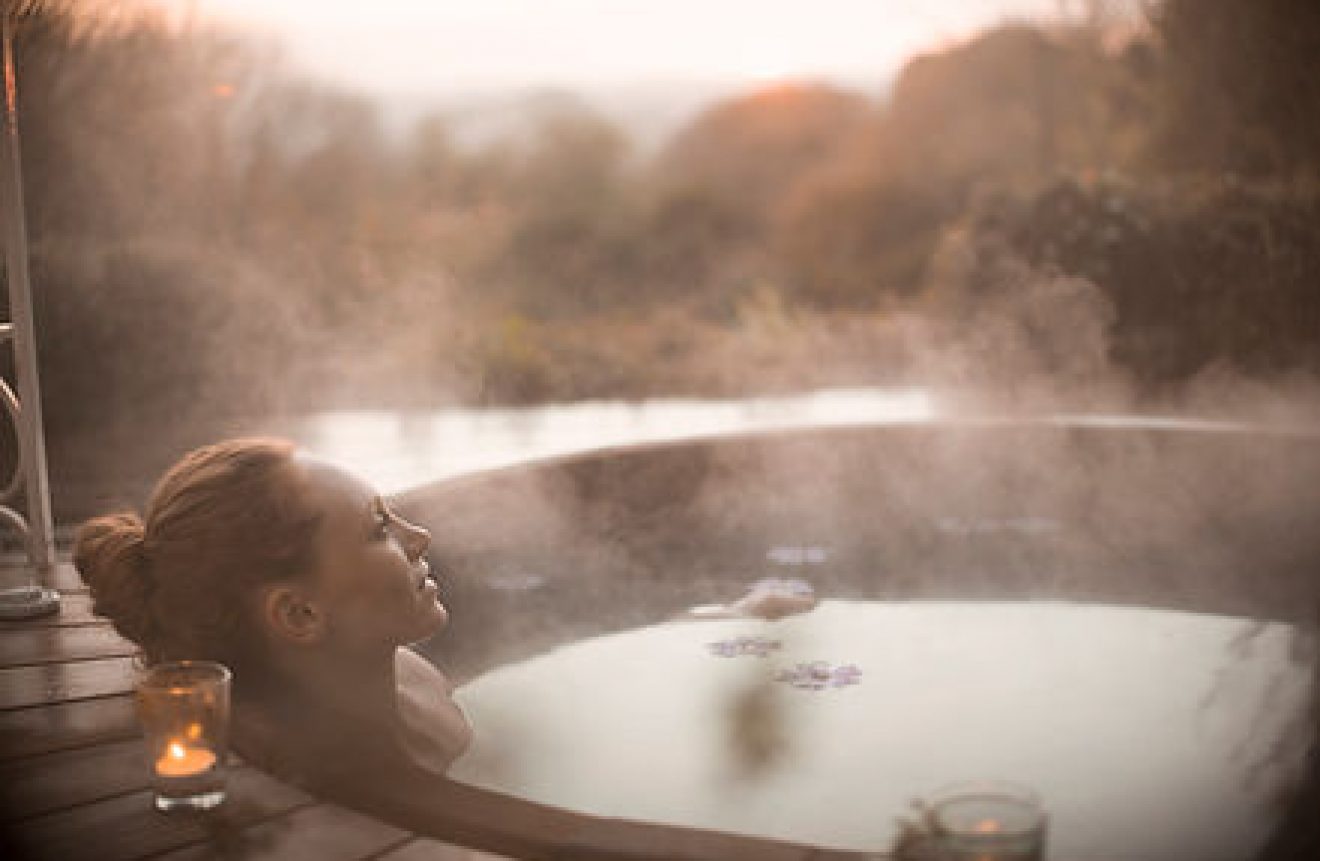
column 324, row 689
column 294, row 719
column 395, row 706
column 364, row 686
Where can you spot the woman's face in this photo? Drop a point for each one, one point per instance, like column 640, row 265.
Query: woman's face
column 370, row 574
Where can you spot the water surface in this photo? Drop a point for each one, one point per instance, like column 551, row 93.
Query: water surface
column 1149, row 734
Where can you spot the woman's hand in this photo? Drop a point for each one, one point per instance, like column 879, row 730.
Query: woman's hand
column 771, row 598
column 774, row 599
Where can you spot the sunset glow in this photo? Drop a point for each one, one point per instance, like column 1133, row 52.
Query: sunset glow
column 402, row 45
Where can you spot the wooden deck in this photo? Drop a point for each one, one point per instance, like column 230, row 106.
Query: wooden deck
column 74, row 782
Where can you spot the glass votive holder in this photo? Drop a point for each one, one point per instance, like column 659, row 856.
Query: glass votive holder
column 987, row 821
column 183, row 707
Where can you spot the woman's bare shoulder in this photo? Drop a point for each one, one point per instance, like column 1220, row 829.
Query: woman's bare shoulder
column 436, row 732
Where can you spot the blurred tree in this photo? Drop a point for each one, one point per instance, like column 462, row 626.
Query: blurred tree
column 743, row 154
column 433, row 166
column 571, row 247
column 128, row 176
column 1197, row 276
column 693, row 250
column 1015, row 102
column 714, row 190
column 1240, row 86
column 102, row 125
column 575, row 159
column 857, row 238
column 1010, row 106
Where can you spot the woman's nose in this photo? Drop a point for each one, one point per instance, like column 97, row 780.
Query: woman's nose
column 416, row 539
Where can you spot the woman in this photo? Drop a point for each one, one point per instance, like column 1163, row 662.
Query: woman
column 305, row 582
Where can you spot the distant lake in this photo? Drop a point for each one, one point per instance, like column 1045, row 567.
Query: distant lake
column 398, row 450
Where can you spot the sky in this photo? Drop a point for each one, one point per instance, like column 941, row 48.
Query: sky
column 490, row 45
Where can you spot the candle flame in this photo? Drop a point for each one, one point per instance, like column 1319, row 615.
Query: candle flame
column 194, row 731
column 182, row 760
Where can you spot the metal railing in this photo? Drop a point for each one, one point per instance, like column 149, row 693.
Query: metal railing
column 22, row 402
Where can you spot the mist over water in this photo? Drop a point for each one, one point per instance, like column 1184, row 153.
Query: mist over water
column 1177, row 732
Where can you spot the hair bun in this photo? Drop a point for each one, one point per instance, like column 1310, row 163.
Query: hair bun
column 110, row 555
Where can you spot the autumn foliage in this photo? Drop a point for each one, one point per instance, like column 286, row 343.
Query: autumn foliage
column 213, row 235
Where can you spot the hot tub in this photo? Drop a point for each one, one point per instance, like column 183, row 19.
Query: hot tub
column 1118, row 616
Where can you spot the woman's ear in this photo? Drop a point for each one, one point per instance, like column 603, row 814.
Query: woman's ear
column 290, row 614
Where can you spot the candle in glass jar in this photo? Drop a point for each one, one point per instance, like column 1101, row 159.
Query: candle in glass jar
column 184, row 710
column 180, row 760
column 988, row 821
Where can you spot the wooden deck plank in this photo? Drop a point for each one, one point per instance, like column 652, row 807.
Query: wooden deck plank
column 128, row 826
column 74, row 784
column 75, row 609
column 61, row 644
column 42, row 784
column 22, row 687
column 62, row 726
column 324, row 832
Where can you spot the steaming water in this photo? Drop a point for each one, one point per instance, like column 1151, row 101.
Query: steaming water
column 1149, row 734
column 395, row 451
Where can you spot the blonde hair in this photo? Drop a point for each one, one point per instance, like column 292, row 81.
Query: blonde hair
column 180, row 582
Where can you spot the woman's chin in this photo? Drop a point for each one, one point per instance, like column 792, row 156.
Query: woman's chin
column 436, row 612
column 438, row 618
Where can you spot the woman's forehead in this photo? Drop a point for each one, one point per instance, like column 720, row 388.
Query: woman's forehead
column 334, row 489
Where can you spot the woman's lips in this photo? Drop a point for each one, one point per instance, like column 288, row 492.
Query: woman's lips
column 423, row 574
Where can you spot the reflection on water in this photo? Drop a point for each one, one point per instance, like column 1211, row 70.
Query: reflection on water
column 399, row 450
column 1149, row 734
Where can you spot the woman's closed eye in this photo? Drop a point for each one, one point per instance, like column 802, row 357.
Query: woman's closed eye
column 383, row 519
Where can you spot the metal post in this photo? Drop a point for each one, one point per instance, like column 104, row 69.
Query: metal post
column 24, row 408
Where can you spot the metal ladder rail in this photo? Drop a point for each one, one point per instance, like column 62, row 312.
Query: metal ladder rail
column 23, row 407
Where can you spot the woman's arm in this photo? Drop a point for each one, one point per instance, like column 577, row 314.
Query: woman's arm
column 436, row 806
column 364, row 766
